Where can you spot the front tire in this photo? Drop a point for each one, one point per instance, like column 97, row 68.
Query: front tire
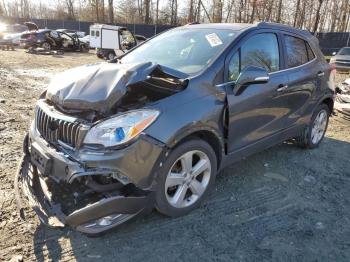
column 314, row 133
column 185, row 178
column 110, row 56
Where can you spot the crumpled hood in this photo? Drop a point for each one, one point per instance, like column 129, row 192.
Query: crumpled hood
column 96, row 86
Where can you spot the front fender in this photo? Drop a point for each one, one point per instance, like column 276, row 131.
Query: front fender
column 202, row 114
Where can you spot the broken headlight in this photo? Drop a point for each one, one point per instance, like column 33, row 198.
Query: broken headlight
column 120, row 129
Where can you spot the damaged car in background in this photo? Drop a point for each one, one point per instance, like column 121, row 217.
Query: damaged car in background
column 49, row 39
column 111, row 141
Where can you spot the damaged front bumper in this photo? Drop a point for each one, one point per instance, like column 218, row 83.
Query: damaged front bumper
column 94, row 210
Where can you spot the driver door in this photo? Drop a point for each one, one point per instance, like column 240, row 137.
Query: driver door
column 259, row 111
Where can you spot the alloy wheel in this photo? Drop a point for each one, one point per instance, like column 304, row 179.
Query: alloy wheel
column 111, row 56
column 319, row 127
column 46, row 46
column 188, row 179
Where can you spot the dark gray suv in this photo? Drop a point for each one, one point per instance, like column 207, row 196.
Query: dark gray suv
column 114, row 140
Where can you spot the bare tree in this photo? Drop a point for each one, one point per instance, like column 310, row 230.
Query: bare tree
column 217, row 11
column 147, row 11
column 317, row 19
column 191, row 12
column 103, row 10
column 70, row 9
column 2, row 11
column 279, row 12
column 296, row 13
column 252, row 16
column 110, row 11
column 173, row 10
column 157, row 11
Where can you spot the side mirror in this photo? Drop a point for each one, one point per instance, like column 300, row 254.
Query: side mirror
column 334, row 53
column 250, row 75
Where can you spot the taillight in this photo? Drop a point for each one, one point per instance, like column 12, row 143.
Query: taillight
column 333, row 68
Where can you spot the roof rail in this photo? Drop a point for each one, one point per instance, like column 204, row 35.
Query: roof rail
column 282, row 26
column 193, row 23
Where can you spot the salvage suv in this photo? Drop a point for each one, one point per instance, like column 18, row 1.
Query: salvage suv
column 152, row 129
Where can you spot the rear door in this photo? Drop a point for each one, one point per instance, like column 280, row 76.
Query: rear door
column 259, row 111
column 110, row 38
column 95, row 37
column 305, row 76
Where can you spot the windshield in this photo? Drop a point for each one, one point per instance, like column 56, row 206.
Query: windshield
column 186, row 50
column 344, row 51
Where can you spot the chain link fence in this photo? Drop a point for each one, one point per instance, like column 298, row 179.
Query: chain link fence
column 138, row 29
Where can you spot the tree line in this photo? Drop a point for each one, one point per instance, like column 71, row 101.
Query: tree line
column 312, row 15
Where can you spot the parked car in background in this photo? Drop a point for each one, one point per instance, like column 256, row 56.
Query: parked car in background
column 11, row 34
column 72, row 32
column 85, row 39
column 12, row 28
column 15, row 38
column 111, row 141
column 51, row 39
column 341, row 60
column 111, row 41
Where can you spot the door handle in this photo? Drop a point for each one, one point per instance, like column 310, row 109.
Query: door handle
column 281, row 88
column 319, row 74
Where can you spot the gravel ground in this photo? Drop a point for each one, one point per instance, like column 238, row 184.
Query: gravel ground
column 284, row 204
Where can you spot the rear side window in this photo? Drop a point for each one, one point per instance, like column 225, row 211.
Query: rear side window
column 92, row 33
column 296, row 51
column 97, row 33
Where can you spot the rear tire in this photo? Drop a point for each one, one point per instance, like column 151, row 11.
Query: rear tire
column 46, row 46
column 313, row 134
column 84, row 49
column 185, row 178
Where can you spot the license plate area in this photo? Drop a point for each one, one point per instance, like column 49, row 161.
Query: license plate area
column 42, row 161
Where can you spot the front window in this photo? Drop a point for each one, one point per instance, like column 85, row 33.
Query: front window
column 260, row 50
column 54, row 34
column 344, row 51
column 186, row 50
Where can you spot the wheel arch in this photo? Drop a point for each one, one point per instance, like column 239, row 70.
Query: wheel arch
column 329, row 102
column 207, row 135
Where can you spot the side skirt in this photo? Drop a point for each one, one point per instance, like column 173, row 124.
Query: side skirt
column 260, row 145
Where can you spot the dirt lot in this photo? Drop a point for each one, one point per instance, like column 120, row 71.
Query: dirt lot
column 284, row 204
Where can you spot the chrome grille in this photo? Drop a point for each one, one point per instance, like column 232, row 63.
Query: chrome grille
column 56, row 130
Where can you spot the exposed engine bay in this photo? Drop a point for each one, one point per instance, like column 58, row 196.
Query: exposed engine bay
column 104, row 89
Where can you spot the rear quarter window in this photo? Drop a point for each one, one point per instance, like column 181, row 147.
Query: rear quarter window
column 97, row 33
column 310, row 53
column 296, row 51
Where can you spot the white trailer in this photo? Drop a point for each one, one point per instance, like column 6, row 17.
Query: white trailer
column 105, row 36
column 111, row 40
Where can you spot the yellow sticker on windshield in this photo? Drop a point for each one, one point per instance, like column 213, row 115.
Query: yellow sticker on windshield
column 213, row 39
